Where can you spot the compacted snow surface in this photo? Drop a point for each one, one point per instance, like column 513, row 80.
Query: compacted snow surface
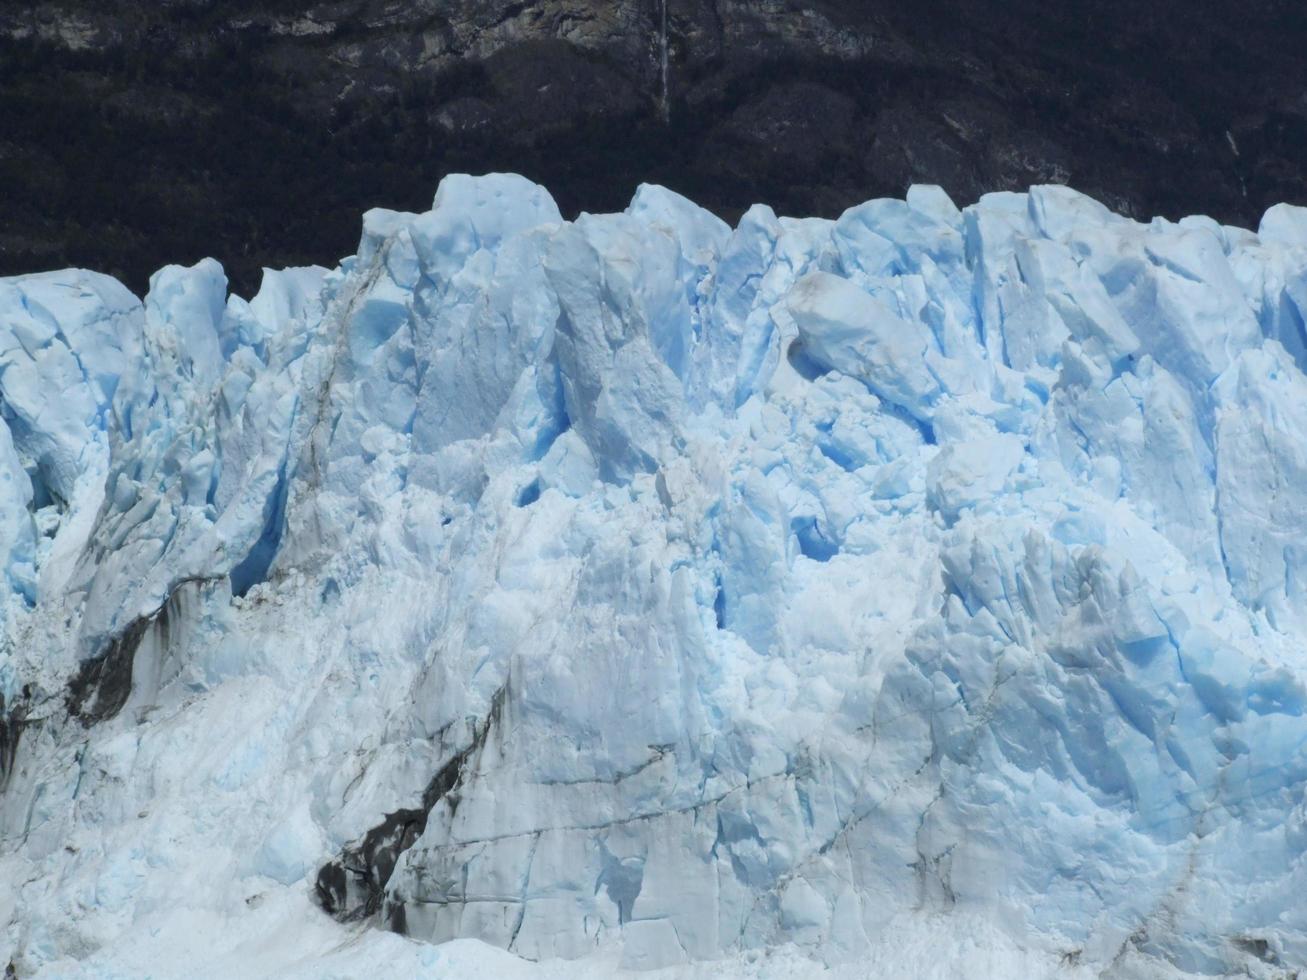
column 922, row 593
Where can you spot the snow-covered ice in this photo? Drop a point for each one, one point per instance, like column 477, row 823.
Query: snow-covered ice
column 920, row 593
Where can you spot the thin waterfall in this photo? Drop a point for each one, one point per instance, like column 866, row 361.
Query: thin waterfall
column 664, row 104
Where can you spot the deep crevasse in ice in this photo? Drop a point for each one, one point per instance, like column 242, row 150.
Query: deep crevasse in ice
column 643, row 584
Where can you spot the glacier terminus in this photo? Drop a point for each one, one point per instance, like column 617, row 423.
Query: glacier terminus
column 918, row 593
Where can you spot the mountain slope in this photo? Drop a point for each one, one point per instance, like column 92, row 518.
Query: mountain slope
column 133, row 135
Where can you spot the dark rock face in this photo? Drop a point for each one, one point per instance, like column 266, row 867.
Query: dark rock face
column 353, row 887
column 13, row 719
column 136, row 134
column 101, row 686
column 104, row 683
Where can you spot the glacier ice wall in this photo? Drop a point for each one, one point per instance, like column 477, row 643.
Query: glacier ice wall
column 646, row 581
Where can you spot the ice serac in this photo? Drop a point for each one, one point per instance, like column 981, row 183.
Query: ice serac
column 648, row 589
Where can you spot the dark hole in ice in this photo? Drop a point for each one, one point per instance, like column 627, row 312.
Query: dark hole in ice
column 1258, row 947
column 804, row 365
column 812, row 542
column 529, row 494
column 330, row 591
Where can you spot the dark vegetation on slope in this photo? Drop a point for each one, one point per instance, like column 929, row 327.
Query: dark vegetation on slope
column 137, row 134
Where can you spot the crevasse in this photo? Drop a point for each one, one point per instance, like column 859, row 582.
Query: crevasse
column 647, row 588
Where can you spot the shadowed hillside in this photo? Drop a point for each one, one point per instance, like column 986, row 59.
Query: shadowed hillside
column 131, row 136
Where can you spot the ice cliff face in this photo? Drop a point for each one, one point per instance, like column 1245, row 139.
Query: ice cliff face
column 645, row 584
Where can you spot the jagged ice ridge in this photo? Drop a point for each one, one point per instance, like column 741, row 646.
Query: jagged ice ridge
column 925, row 583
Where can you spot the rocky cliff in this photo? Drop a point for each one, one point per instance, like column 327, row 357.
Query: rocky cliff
column 131, row 134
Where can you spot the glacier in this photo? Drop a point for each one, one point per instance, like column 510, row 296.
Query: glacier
column 916, row 593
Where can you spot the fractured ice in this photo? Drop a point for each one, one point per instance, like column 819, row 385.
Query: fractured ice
column 641, row 583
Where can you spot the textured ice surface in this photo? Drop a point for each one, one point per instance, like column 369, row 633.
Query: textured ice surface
column 918, row 591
